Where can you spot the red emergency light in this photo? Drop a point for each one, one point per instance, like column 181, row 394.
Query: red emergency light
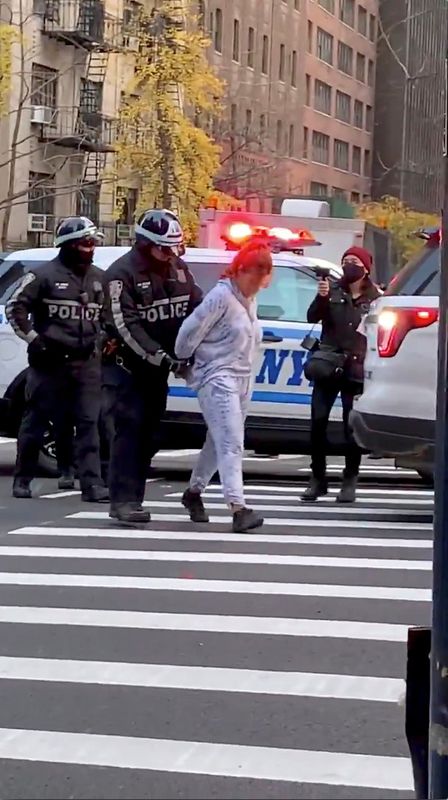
column 238, row 232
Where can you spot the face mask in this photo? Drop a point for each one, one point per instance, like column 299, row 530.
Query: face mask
column 353, row 272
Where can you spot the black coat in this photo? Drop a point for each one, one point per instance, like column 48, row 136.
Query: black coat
column 341, row 316
column 59, row 304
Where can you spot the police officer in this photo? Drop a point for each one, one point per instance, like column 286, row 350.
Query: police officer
column 150, row 292
column 56, row 310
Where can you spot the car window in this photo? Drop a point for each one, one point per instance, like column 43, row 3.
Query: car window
column 421, row 275
column 205, row 274
column 288, row 297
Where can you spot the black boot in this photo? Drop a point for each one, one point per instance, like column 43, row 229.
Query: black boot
column 21, row 488
column 67, row 479
column 95, row 494
column 317, row 487
column 131, row 513
column 192, row 501
column 245, row 520
column 348, row 490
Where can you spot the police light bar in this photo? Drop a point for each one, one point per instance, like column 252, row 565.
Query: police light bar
column 238, row 233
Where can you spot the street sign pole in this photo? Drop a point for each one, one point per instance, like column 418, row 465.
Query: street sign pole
column 438, row 731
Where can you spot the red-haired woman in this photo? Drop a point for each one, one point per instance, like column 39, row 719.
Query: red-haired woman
column 223, row 335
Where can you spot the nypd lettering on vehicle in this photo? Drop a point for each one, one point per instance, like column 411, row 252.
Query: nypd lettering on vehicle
column 288, row 364
column 72, row 309
column 168, row 308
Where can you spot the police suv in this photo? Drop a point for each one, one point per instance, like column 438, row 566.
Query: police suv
column 279, row 417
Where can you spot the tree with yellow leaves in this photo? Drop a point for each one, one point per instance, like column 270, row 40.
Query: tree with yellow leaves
column 402, row 222
column 7, row 37
column 161, row 142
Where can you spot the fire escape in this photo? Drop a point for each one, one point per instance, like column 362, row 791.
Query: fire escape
column 84, row 24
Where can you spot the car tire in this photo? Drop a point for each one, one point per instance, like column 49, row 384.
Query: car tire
column 47, row 457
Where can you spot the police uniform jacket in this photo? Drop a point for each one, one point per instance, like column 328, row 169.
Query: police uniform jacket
column 146, row 303
column 341, row 316
column 61, row 306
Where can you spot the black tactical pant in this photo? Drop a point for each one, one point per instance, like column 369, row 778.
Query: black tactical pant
column 323, row 400
column 133, row 406
column 66, row 395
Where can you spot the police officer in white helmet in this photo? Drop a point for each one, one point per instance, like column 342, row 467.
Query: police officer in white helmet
column 150, row 291
column 56, row 310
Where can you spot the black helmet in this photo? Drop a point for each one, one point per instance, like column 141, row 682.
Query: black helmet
column 162, row 228
column 75, row 228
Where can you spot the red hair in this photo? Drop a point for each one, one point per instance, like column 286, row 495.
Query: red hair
column 254, row 255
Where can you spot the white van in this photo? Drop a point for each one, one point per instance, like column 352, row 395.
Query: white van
column 279, row 416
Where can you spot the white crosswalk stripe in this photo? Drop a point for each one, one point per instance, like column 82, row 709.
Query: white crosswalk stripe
column 254, row 657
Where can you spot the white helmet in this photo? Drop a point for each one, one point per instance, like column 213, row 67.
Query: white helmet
column 75, row 228
column 162, row 228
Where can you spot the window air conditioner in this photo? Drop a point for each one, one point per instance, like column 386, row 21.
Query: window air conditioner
column 38, row 223
column 42, row 115
column 124, row 231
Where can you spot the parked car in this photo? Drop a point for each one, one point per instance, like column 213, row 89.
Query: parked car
column 279, row 416
column 395, row 415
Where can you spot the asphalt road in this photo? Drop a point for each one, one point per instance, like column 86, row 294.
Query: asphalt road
column 181, row 661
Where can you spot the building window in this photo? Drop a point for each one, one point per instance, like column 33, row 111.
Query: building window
column 360, row 67
column 318, row 189
column 369, row 118
column 297, row 5
column 355, row 198
column 372, row 28
column 218, row 30
column 309, row 37
column 322, row 97
column 265, row 55
column 343, row 107
column 279, row 136
column 307, row 90
column 88, row 202
column 127, row 200
column 248, row 120
column 340, row 193
column 236, row 40
column 347, row 12
column 262, row 128
column 356, row 160
column 305, row 142
column 250, row 47
column 362, row 21
column 233, row 118
column 281, row 63
column 345, row 58
column 327, row 4
column 324, row 46
column 44, row 86
column 371, row 73
column 367, row 164
column 291, row 141
column 358, row 114
column 294, row 68
column 341, row 155
column 321, row 148
column 41, row 193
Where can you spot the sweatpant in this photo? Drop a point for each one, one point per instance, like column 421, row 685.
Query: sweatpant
column 224, row 402
column 323, row 399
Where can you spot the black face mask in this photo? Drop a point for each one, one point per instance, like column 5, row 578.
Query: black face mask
column 352, row 272
column 74, row 258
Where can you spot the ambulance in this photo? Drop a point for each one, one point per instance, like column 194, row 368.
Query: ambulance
column 279, row 415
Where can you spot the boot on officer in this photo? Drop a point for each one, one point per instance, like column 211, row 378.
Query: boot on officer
column 150, row 291
column 56, row 310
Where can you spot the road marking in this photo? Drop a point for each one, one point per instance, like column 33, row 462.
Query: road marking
column 379, row 472
column 219, row 586
column 199, row 536
column 175, row 454
column 380, row 501
column 218, row 558
column 276, row 522
column 207, row 758
column 6, row 440
column 210, row 679
column 206, row 623
column 299, row 488
column 74, row 492
column 302, row 509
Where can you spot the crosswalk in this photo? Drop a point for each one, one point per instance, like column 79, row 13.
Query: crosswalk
column 196, row 662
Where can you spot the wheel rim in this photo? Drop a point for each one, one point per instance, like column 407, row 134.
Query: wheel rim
column 49, row 445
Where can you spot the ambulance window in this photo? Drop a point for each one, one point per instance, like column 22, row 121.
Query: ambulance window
column 288, row 297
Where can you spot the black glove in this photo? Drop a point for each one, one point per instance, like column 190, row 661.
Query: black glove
column 38, row 354
column 176, row 366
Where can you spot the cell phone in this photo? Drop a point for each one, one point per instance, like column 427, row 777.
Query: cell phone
column 323, row 273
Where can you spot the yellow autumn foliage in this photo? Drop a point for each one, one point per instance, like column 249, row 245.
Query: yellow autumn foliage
column 402, row 222
column 7, row 36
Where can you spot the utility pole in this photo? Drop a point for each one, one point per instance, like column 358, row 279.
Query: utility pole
column 438, row 731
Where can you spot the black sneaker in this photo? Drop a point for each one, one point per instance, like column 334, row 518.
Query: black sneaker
column 67, row 480
column 245, row 520
column 21, row 488
column 348, row 490
column 95, row 494
column 317, row 487
column 131, row 513
column 192, row 501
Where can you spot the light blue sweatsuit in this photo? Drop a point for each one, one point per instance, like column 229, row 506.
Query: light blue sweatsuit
column 223, row 334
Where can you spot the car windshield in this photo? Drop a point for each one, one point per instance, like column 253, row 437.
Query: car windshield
column 420, row 276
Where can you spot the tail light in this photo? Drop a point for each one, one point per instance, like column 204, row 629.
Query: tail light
column 395, row 323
